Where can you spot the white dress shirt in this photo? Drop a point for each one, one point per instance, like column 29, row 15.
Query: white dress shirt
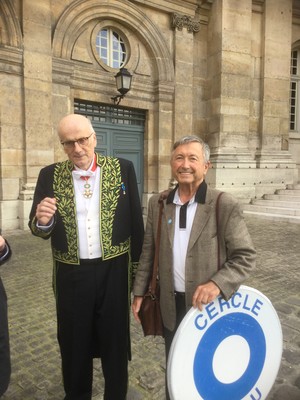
column 88, row 213
column 181, row 241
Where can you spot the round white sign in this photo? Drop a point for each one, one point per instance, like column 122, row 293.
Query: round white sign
column 231, row 350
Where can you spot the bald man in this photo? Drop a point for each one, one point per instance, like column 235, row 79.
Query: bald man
column 89, row 207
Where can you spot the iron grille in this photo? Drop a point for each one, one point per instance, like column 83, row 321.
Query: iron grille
column 109, row 114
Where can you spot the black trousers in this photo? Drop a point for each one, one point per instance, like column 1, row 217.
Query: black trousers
column 169, row 335
column 5, row 368
column 93, row 321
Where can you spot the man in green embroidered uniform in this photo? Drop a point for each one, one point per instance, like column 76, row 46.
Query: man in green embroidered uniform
column 89, row 207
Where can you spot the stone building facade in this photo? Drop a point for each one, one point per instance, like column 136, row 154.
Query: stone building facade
column 219, row 69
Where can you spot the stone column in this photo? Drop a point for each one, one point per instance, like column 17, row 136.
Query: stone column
column 229, row 66
column 11, row 136
column 11, row 117
column 183, row 64
column 274, row 126
column 37, row 97
column 160, row 139
column 229, row 82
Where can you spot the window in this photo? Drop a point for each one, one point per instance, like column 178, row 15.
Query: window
column 111, row 48
column 294, row 91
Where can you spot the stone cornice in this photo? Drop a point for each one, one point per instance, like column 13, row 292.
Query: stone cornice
column 181, row 6
column 258, row 5
column 202, row 2
column 296, row 10
column 11, row 60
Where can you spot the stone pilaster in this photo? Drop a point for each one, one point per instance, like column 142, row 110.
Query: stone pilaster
column 37, row 97
column 274, row 127
column 229, row 66
column 184, row 27
column 229, row 93
column 157, row 162
column 11, row 136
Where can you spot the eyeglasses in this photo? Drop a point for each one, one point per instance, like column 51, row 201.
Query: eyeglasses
column 69, row 144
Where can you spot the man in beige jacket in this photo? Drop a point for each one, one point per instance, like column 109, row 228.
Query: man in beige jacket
column 188, row 259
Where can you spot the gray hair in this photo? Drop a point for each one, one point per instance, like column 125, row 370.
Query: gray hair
column 191, row 139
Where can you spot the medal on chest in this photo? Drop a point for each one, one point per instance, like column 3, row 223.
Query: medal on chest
column 87, row 193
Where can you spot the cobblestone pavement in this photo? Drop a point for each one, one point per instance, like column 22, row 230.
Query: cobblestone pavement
column 36, row 373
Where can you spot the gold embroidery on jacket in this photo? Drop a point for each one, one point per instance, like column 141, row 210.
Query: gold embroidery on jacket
column 110, row 188
column 111, row 183
column 65, row 201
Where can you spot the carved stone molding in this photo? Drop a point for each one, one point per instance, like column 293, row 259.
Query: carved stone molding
column 181, row 21
column 11, row 34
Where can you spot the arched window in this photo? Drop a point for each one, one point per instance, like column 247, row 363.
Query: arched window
column 111, row 48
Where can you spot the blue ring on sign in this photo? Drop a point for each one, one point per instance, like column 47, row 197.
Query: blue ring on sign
column 208, row 386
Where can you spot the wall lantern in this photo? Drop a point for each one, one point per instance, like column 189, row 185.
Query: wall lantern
column 123, row 83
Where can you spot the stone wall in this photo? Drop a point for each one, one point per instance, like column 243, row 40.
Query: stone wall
column 219, row 70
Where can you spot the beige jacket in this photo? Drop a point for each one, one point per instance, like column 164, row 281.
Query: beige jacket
column 237, row 254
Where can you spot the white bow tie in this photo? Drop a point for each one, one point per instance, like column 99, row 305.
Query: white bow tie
column 79, row 173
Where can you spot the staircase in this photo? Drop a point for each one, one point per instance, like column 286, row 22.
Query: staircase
column 283, row 205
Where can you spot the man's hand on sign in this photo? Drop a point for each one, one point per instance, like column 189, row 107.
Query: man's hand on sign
column 205, row 294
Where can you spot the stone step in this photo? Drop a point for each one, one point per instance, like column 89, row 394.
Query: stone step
column 277, row 203
column 283, row 205
column 293, row 186
column 286, row 197
column 293, row 192
column 274, row 217
column 271, row 210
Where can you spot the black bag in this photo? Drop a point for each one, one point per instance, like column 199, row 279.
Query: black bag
column 149, row 313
